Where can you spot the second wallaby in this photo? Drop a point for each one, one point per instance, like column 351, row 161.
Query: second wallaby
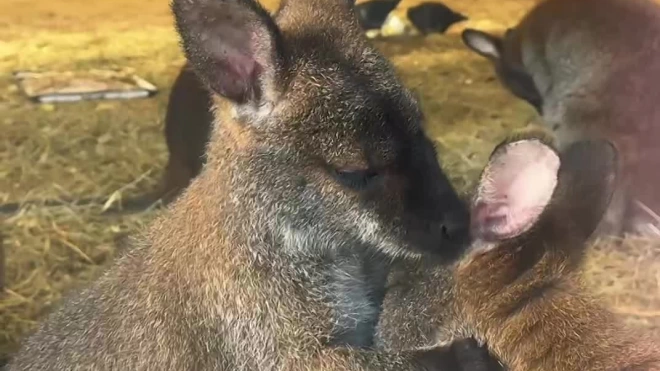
column 518, row 287
column 275, row 256
column 188, row 123
column 591, row 68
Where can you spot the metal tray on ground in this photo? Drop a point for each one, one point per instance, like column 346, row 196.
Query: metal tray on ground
column 75, row 86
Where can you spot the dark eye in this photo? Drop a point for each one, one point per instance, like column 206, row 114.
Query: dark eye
column 356, row 179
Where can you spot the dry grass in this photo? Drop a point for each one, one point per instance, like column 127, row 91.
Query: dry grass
column 97, row 148
column 627, row 275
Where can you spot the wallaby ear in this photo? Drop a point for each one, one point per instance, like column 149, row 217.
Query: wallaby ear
column 515, row 187
column 587, row 179
column 232, row 45
column 482, row 43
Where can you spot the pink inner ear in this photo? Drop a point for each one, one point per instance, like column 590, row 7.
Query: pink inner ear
column 515, row 188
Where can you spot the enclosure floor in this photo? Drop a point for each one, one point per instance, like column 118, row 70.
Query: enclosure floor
column 101, row 148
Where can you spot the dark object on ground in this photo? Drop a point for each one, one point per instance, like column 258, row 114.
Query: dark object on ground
column 372, row 14
column 433, row 17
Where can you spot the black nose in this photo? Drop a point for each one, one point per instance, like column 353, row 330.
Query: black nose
column 456, row 226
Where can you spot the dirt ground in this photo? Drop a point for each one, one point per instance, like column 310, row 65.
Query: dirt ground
column 99, row 148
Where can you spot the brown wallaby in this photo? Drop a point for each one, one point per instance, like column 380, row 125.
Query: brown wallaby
column 518, row 287
column 591, row 68
column 275, row 256
column 188, row 122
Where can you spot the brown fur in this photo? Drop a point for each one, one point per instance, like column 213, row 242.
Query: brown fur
column 592, row 67
column 524, row 297
column 275, row 256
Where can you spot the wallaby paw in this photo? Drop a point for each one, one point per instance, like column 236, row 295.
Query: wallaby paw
column 461, row 355
column 470, row 356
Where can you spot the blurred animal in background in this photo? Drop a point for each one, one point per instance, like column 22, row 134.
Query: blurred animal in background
column 188, row 123
column 591, row 68
column 426, row 17
column 372, row 14
column 275, row 256
column 433, row 17
column 518, row 287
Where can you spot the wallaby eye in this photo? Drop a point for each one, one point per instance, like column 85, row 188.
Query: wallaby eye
column 356, row 179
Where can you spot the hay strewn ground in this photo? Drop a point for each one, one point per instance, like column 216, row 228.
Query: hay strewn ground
column 97, row 148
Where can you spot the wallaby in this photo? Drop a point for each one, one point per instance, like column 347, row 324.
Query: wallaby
column 518, row 287
column 188, row 121
column 275, row 256
column 591, row 68
column 188, row 124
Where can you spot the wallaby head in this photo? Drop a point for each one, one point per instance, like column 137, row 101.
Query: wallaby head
column 518, row 287
column 504, row 52
column 562, row 50
column 326, row 123
column 533, row 207
column 564, row 53
column 587, row 66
